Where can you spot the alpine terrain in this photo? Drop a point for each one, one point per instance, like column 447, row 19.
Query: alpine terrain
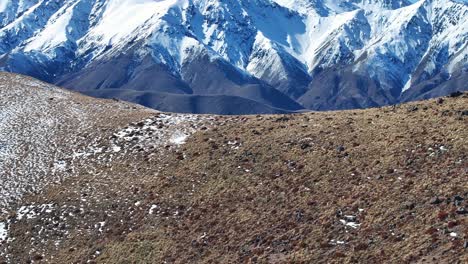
column 241, row 57
column 86, row 180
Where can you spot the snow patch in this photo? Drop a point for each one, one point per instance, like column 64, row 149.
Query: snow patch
column 32, row 211
column 178, row 138
column 3, row 232
column 350, row 224
column 116, row 148
column 3, row 5
column 153, row 208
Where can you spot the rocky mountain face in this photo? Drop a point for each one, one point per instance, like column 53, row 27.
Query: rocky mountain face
column 262, row 56
column 87, row 180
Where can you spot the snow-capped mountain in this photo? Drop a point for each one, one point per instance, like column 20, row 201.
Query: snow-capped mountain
column 241, row 56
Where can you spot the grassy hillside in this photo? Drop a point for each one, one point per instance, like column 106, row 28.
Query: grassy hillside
column 380, row 185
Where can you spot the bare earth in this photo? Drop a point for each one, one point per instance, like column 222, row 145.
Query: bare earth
column 84, row 180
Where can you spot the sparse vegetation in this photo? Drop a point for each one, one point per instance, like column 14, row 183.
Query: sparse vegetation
column 380, row 185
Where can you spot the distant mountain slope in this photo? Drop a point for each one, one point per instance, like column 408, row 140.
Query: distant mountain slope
column 87, row 180
column 330, row 54
column 183, row 103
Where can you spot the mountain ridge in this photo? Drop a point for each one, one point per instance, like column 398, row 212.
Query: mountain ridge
column 288, row 46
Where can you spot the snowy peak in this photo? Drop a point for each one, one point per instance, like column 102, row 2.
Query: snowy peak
column 333, row 7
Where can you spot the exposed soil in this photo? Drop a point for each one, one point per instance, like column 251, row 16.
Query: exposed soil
column 380, row 185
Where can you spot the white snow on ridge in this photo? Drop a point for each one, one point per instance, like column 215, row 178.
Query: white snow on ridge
column 25, row 9
column 3, row 5
column 55, row 32
column 321, row 30
column 122, row 17
column 317, row 34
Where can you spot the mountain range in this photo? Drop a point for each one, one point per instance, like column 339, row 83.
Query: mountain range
column 241, row 57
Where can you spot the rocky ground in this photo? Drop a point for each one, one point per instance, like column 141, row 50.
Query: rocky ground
column 109, row 182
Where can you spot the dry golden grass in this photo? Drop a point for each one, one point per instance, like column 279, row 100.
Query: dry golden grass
column 272, row 189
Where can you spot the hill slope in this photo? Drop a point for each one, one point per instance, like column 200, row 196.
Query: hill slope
column 367, row 186
column 41, row 126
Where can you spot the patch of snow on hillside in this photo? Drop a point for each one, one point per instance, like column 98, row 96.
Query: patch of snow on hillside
column 160, row 131
column 32, row 211
column 3, row 232
column 28, row 128
column 178, row 138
